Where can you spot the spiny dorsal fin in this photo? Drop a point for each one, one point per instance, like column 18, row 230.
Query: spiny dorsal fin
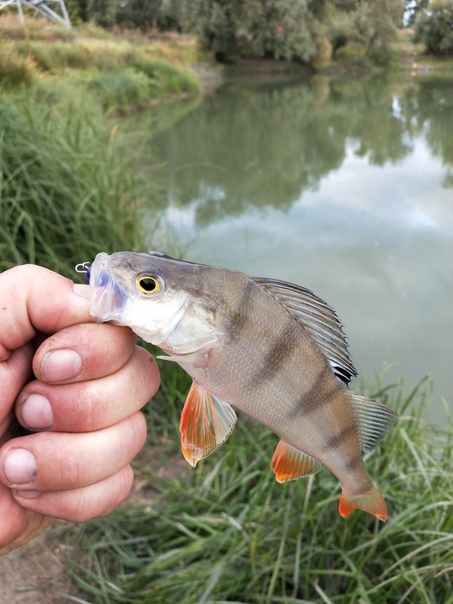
column 375, row 420
column 206, row 423
column 318, row 318
column 289, row 463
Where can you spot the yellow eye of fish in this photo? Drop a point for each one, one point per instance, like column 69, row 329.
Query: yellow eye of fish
column 148, row 284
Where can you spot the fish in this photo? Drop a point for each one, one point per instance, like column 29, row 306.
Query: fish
column 269, row 348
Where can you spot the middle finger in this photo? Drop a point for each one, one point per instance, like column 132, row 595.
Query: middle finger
column 48, row 461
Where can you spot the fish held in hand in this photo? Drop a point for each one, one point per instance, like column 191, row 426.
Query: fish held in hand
column 269, row 348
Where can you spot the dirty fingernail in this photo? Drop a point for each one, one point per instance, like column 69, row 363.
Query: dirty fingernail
column 20, row 466
column 61, row 365
column 37, row 412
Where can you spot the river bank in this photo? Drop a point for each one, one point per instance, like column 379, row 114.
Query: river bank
column 119, row 75
column 126, row 70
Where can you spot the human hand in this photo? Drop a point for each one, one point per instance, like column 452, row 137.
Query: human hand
column 83, row 401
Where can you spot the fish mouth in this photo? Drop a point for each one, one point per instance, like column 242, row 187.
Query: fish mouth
column 108, row 299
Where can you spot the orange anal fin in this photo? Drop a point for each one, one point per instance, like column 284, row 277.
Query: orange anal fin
column 206, row 423
column 371, row 502
column 290, row 463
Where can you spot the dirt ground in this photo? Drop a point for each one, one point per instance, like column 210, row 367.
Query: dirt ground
column 34, row 574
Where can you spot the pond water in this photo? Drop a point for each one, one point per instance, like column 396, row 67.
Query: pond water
column 344, row 186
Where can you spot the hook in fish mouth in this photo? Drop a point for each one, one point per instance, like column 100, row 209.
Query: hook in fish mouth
column 108, row 299
column 84, row 268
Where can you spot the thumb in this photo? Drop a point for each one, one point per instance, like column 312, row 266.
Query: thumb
column 33, row 298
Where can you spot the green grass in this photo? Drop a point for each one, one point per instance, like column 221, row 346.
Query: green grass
column 68, row 187
column 64, row 193
column 122, row 75
column 140, row 84
column 227, row 532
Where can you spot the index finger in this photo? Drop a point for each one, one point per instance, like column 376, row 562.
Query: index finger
column 101, row 348
column 33, row 298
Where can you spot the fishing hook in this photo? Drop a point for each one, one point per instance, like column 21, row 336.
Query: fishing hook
column 84, row 268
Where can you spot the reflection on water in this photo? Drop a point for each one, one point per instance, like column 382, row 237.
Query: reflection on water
column 344, row 186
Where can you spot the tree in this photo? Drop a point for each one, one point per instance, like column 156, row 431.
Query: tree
column 261, row 28
column 434, row 27
column 302, row 30
column 412, row 9
column 103, row 12
column 368, row 24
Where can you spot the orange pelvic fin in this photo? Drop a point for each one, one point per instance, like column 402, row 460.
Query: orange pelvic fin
column 206, row 423
column 290, row 463
column 371, row 502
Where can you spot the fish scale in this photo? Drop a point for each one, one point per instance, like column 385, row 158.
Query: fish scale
column 272, row 349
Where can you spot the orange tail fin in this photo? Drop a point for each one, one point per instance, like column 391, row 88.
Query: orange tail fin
column 371, row 502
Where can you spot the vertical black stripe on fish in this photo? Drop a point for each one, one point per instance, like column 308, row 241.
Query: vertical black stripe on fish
column 311, row 401
column 239, row 315
column 354, row 462
column 341, row 437
column 280, row 349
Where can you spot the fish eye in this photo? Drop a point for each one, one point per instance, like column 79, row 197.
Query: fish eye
column 148, row 284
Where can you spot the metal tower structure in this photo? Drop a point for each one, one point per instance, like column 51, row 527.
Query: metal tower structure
column 43, row 8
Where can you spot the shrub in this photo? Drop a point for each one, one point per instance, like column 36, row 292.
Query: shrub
column 381, row 55
column 166, row 77
column 261, row 28
column 354, row 58
column 121, row 89
column 341, row 30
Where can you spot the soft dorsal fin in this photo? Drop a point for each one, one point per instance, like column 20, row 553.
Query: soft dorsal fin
column 318, row 318
column 375, row 420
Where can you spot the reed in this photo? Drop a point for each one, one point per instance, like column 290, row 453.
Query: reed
column 64, row 193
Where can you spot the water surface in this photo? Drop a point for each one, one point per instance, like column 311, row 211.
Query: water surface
column 343, row 186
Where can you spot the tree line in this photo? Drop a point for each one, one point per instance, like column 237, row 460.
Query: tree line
column 310, row 31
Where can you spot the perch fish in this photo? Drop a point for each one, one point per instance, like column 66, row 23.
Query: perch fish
column 272, row 349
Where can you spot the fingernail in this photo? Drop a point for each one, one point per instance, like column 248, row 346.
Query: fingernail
column 20, row 466
column 28, row 494
column 37, row 412
column 81, row 290
column 61, row 365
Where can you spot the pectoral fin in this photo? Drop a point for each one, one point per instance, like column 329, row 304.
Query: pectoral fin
column 200, row 359
column 290, row 463
column 206, row 423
